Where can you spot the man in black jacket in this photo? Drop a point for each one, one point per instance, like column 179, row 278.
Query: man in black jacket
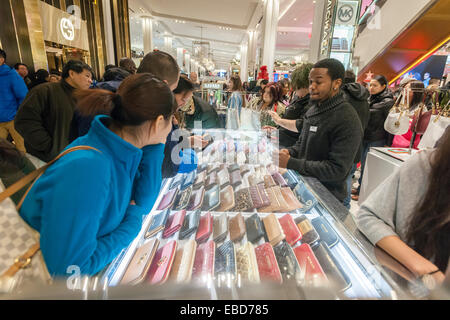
column 331, row 133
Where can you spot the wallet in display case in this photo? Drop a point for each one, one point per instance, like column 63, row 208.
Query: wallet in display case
column 279, row 180
column 223, row 177
column 267, row 263
column 168, row 199
column 325, row 231
column 202, row 167
column 184, row 262
column 196, row 199
column 273, row 229
column 290, row 199
column 211, row 199
column 274, row 202
column 254, row 180
column 255, row 228
column 287, row 261
column 308, row 261
column 243, row 201
column 205, row 228
column 247, row 266
column 309, row 234
column 177, row 180
column 200, row 179
column 226, row 259
column 268, row 181
column 237, row 227
column 233, row 167
column 244, row 169
column 190, row 224
column 174, row 223
column 204, row 260
column 331, row 266
column 140, row 263
column 290, row 179
column 220, row 229
column 235, row 178
column 162, row 263
column 158, row 223
column 182, row 199
column 259, row 196
column 188, row 180
column 290, row 229
column 211, row 180
column 213, row 168
column 226, row 199
column 284, row 206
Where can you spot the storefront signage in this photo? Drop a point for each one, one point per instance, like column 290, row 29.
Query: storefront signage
column 327, row 28
column 67, row 29
column 346, row 13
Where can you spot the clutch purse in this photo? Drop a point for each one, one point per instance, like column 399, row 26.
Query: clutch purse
column 273, row 229
column 309, row 234
column 212, row 198
column 184, row 262
column 325, row 231
column 247, row 266
column 243, row 201
column 226, row 259
column 199, row 179
column 205, row 228
column 268, row 181
column 235, row 178
column 226, row 199
column 267, row 263
column 279, row 180
column 211, row 180
column 162, row 263
column 308, row 261
column 220, row 228
column 196, row 199
column 174, row 223
column 290, row 229
column 168, row 199
column 287, row 261
column 188, row 180
column 223, row 177
column 204, row 260
column 259, row 196
column 158, row 223
column 190, row 224
column 290, row 199
column 182, row 199
column 274, row 202
column 177, row 180
column 237, row 227
column 255, row 228
column 140, row 263
column 331, row 266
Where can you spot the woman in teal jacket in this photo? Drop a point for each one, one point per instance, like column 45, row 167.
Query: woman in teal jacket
column 89, row 205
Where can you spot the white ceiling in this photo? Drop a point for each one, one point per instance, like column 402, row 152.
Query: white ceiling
column 207, row 20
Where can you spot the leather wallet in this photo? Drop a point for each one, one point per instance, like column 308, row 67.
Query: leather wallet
column 204, row 260
column 188, row 180
column 205, row 228
column 174, row 223
column 325, row 231
column 274, row 202
column 287, row 261
column 223, row 177
column 200, row 179
column 259, row 196
column 273, row 229
column 235, row 178
column 237, row 227
column 158, row 223
column 290, row 229
column 168, row 199
column 202, row 167
column 211, row 180
column 247, row 266
column 279, row 180
column 190, row 224
column 244, row 169
column 225, row 259
column 267, row 263
column 243, row 201
column 309, row 234
column 184, row 262
column 213, row 168
column 212, row 198
column 162, row 263
column 254, row 180
column 177, row 180
column 233, row 167
column 331, row 266
column 140, row 263
column 182, row 199
column 284, row 206
column 220, row 229
column 255, row 228
column 308, row 261
column 268, row 181
column 290, row 179
column 291, row 200
column 196, row 199
column 226, row 199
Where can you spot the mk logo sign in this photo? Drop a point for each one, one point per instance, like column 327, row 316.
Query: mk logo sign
column 345, row 13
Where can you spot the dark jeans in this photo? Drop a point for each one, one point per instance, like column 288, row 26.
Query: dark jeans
column 366, row 147
column 349, row 180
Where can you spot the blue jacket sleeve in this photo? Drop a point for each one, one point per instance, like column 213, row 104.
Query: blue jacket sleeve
column 19, row 88
column 147, row 183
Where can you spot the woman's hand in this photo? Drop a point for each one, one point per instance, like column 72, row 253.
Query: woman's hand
column 269, row 128
column 275, row 117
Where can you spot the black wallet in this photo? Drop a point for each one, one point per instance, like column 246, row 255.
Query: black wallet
column 325, row 231
column 211, row 199
column 287, row 261
column 190, row 224
column 255, row 228
column 225, row 260
column 182, row 199
column 158, row 223
column 331, row 266
column 188, row 180
column 309, row 234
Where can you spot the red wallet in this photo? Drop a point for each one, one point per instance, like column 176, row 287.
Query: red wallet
column 306, row 259
column 267, row 263
column 205, row 228
column 290, row 229
column 162, row 263
column 174, row 223
column 168, row 199
column 204, row 260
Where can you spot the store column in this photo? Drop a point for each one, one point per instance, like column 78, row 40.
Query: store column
column 168, row 44
column 187, row 62
column 244, row 66
column 251, row 52
column 109, row 35
column 147, row 31
column 180, row 57
column 270, row 23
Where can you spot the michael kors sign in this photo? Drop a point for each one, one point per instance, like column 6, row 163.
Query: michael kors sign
column 327, row 28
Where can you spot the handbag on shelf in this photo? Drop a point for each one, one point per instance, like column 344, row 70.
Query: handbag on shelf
column 397, row 121
column 435, row 129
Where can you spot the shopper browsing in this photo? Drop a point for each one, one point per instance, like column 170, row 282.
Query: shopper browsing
column 331, row 132
column 270, row 101
column 237, row 98
column 89, row 204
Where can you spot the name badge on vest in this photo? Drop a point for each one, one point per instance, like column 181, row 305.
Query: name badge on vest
column 313, row 129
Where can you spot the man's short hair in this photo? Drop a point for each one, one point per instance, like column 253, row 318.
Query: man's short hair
column 184, row 85
column 335, row 68
column 264, row 81
column 3, row 54
column 76, row 66
column 160, row 64
column 18, row 64
column 350, row 76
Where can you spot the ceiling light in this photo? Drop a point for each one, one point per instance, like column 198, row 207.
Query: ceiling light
column 295, row 19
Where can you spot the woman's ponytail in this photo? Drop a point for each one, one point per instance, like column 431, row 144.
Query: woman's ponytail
column 92, row 102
